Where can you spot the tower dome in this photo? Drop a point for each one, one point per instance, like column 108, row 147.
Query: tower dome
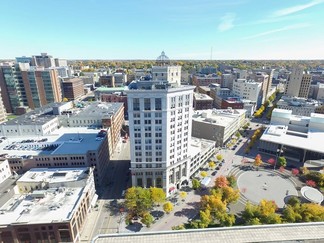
column 162, row 59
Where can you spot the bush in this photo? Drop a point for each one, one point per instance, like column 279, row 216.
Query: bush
column 315, row 176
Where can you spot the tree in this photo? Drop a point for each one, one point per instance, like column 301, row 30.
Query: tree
column 257, row 160
column 304, row 170
column 238, row 134
column 147, row 219
column 211, row 164
column 183, row 195
column 231, row 180
column 271, row 161
column 230, row 195
column 203, row 174
column 221, row 181
column 168, row 207
column 65, row 99
column 138, row 201
column 158, row 195
column 311, row 183
column 282, row 161
column 205, row 218
column 219, row 157
column 196, row 184
column 281, row 169
column 294, row 171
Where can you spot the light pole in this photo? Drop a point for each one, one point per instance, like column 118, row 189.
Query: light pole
column 277, row 155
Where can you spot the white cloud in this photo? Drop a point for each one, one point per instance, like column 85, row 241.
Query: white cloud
column 295, row 9
column 289, row 27
column 227, row 22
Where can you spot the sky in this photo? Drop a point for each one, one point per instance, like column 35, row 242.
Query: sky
column 142, row 29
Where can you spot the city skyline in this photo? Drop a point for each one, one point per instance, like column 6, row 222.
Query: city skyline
column 97, row 29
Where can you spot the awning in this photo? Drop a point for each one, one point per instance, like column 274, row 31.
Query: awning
column 172, row 189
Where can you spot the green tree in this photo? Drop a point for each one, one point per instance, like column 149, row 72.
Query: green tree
column 231, row 180
column 147, row 219
column 219, row 157
column 238, row 134
column 196, row 184
column 138, row 201
column 168, row 207
column 205, row 218
column 282, row 161
column 158, row 195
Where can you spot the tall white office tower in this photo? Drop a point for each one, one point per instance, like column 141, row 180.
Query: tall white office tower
column 160, row 131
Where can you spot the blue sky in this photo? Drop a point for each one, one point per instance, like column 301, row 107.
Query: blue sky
column 184, row 29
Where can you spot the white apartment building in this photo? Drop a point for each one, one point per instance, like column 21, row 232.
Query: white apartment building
column 248, row 89
column 160, row 127
column 298, row 83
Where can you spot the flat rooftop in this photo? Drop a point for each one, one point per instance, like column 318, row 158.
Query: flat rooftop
column 53, row 175
column 110, row 89
column 302, row 232
column 313, row 141
column 72, row 140
column 199, row 96
column 98, row 109
column 43, row 206
column 199, row 145
column 217, row 116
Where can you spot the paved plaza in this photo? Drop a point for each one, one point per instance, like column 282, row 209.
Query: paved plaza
column 269, row 185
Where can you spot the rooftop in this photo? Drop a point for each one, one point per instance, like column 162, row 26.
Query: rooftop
column 110, row 89
column 76, row 140
column 302, row 232
column 199, row 96
column 312, row 141
column 217, row 116
column 298, row 101
column 45, row 206
column 199, row 145
column 98, row 109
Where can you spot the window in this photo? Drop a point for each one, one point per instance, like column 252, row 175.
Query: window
column 158, row 121
column 158, row 104
column 147, row 104
column 136, row 104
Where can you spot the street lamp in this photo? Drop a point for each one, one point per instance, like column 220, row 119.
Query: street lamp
column 279, row 151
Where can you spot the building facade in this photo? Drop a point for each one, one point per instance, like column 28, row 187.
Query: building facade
column 202, row 102
column 217, row 125
column 298, row 84
column 73, row 88
column 160, row 125
column 248, row 89
column 52, row 206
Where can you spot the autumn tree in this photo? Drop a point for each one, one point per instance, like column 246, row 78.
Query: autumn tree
column 168, row 207
column 183, row 195
column 211, row 164
column 158, row 195
column 229, row 195
column 294, row 171
column 264, row 213
column 219, row 157
column 271, row 161
column 203, row 174
column 221, row 181
column 257, row 160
